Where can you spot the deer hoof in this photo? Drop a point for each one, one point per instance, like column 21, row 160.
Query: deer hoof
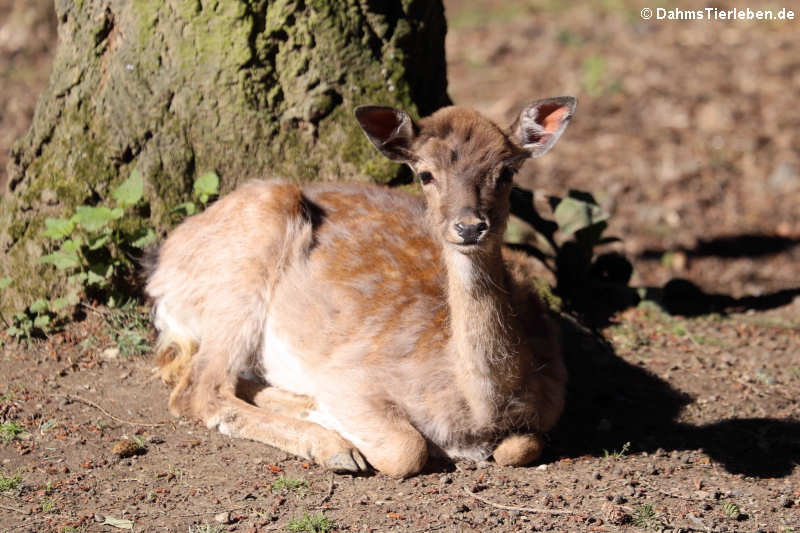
column 347, row 462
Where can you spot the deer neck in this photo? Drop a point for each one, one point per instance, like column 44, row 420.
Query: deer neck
column 484, row 340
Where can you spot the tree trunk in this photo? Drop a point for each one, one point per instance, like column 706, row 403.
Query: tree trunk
column 245, row 88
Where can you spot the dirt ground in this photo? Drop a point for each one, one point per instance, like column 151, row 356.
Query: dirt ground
column 686, row 132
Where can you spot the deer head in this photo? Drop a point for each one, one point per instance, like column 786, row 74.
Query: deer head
column 465, row 162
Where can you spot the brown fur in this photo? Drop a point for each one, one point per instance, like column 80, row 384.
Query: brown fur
column 344, row 322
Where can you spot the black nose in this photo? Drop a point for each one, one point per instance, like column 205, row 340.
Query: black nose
column 471, row 233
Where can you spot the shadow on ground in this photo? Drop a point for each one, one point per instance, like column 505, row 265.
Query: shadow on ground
column 611, row 402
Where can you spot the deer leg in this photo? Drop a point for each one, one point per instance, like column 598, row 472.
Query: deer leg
column 519, row 449
column 212, row 398
column 274, row 399
column 385, row 437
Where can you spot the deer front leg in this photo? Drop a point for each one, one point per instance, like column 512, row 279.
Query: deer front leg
column 274, row 399
column 519, row 449
column 212, row 399
column 384, row 436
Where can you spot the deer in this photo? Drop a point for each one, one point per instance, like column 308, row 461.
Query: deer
column 364, row 327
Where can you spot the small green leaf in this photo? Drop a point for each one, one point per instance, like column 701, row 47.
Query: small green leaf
column 143, row 237
column 130, row 191
column 41, row 321
column 206, row 186
column 61, row 260
column 58, row 228
column 38, row 306
column 117, row 213
column 573, row 215
column 95, row 243
column 5, row 282
column 93, row 219
column 188, row 208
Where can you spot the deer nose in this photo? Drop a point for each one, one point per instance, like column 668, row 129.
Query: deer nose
column 471, row 232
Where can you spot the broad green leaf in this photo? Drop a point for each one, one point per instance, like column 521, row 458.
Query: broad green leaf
column 93, row 219
column 71, row 245
column 591, row 235
column 79, row 278
column 187, row 207
column 206, row 185
column 58, row 304
column 117, row 213
column 95, row 279
column 38, row 306
column 61, row 260
column 5, row 282
column 99, row 273
column 58, row 228
column 573, row 215
column 130, row 191
column 95, row 243
column 143, row 237
column 41, row 321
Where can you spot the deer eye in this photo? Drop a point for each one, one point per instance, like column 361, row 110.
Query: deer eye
column 425, row 177
column 506, row 175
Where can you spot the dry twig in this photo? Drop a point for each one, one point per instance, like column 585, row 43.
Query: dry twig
column 120, row 420
column 538, row 510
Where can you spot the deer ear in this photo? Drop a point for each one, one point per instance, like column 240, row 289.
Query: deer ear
column 542, row 122
column 390, row 130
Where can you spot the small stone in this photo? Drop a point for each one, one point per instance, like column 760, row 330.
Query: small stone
column 99, row 518
column 541, row 467
column 154, row 439
column 598, row 476
column 110, row 354
column 619, row 499
column 223, row 518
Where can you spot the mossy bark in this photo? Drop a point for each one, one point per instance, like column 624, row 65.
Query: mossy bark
column 176, row 88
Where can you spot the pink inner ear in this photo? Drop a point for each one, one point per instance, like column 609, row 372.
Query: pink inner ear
column 553, row 120
column 380, row 123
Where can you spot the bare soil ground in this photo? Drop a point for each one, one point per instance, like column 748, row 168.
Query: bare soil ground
column 686, row 131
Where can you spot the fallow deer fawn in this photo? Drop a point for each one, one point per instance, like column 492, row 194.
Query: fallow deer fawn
column 354, row 324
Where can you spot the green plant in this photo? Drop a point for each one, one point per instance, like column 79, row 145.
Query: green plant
column 616, row 454
column 289, row 485
column 96, row 244
column 318, row 523
column 128, row 327
column 731, row 510
column 567, row 245
column 48, row 505
column 205, row 187
column 9, row 431
column 645, row 517
column 8, row 483
column 37, row 318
